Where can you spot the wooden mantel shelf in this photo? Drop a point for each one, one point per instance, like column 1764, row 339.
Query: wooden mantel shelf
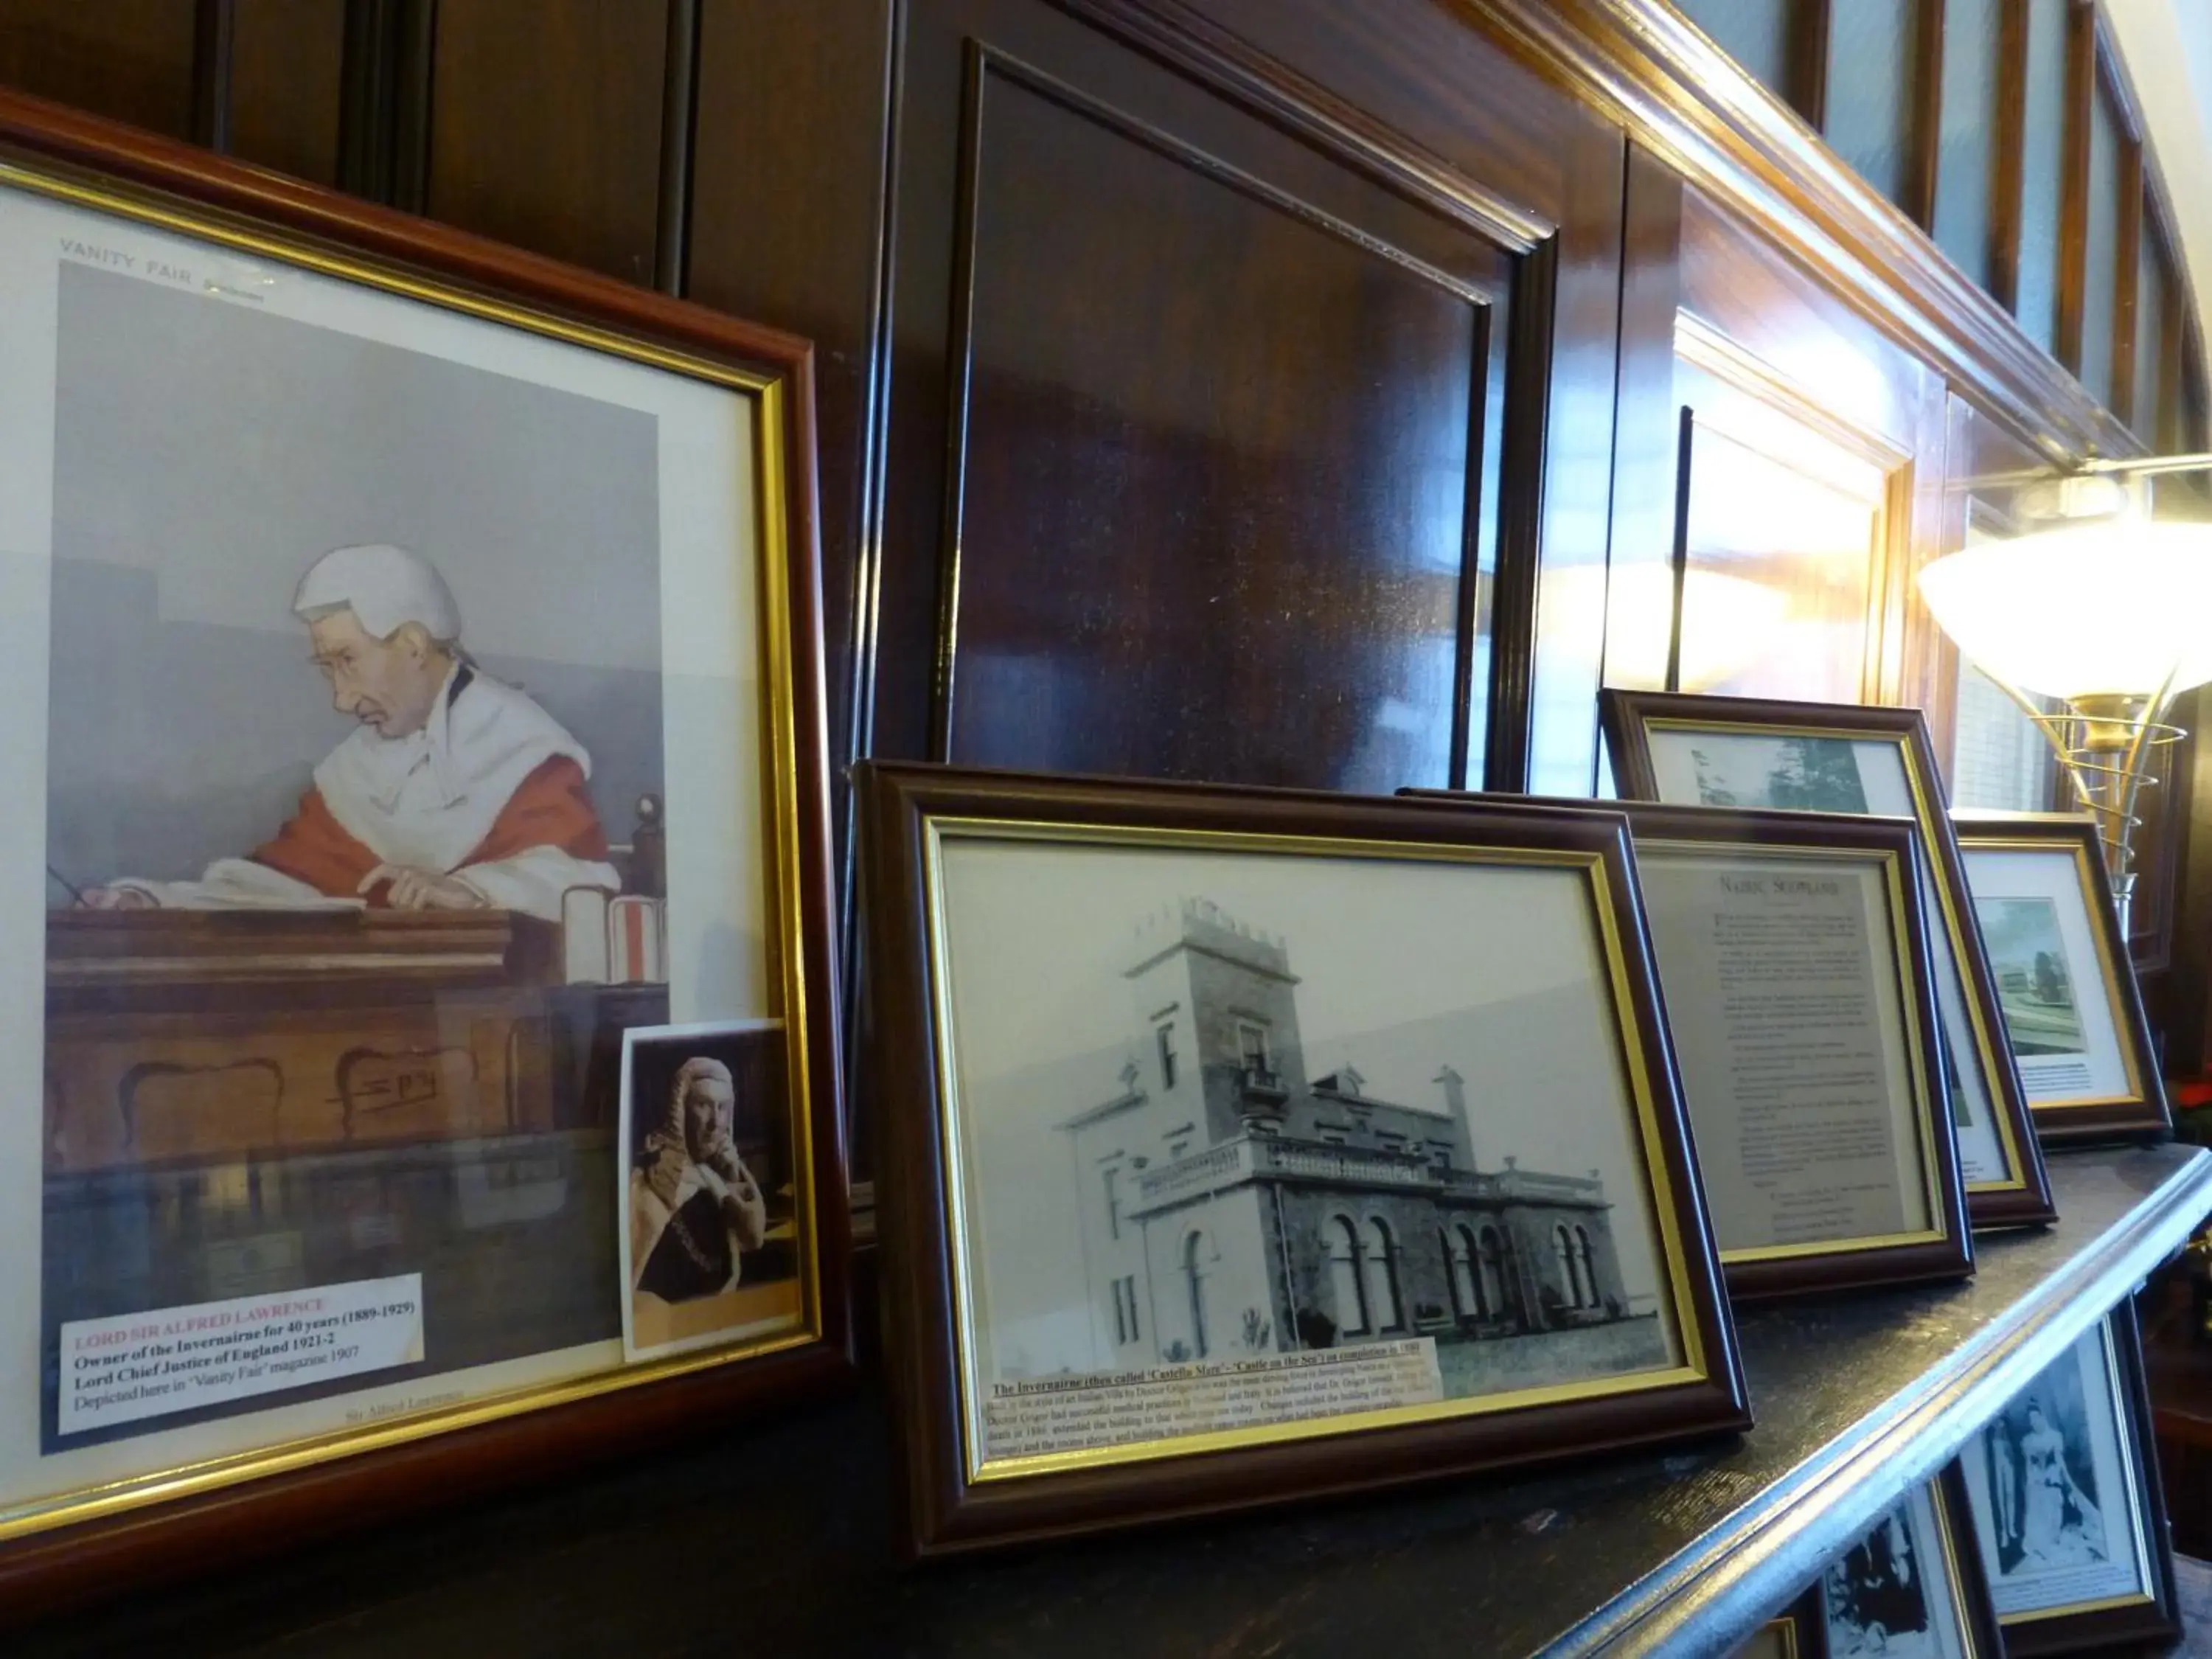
column 776, row 1537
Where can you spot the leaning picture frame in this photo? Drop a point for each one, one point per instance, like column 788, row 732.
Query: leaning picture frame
column 1226, row 1141
column 1913, row 1585
column 1684, row 750
column 1798, row 1631
column 1793, row 963
column 421, row 688
column 2065, row 985
column 2067, row 1503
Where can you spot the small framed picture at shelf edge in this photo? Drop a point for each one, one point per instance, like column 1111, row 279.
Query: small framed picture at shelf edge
column 1792, row 960
column 1688, row 751
column 1798, row 1631
column 2072, row 1012
column 1240, row 1165
column 1912, row 1586
column 421, row 714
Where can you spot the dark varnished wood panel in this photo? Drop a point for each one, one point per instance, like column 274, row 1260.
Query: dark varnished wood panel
column 786, row 222
column 129, row 59
column 1217, row 468
column 545, row 127
column 286, row 72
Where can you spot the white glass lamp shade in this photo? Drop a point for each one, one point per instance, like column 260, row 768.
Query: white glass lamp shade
column 2087, row 610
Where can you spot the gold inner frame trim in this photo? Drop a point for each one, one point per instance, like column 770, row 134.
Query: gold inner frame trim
column 2108, row 969
column 1921, row 1092
column 768, row 456
column 1925, row 816
column 1682, row 1312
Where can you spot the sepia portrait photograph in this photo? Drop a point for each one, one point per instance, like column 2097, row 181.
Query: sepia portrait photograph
column 1247, row 1138
column 710, row 1244
column 1891, row 1596
column 2035, row 983
column 2050, row 1488
column 396, row 708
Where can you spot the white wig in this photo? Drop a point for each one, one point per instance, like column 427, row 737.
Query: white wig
column 386, row 587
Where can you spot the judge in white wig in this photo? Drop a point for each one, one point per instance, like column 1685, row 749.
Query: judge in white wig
column 694, row 1209
column 456, row 792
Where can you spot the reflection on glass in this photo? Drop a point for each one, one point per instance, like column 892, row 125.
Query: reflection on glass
column 1966, row 151
column 1759, row 34
column 2150, row 334
column 2100, row 288
column 1780, row 570
column 2043, row 164
column 1872, row 75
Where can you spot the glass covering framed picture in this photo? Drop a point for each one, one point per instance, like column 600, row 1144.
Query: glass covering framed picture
column 1858, row 759
column 2065, row 985
column 418, row 690
column 1792, row 960
column 1913, row 1588
column 2067, row 1503
column 1798, row 1631
column 1234, row 1162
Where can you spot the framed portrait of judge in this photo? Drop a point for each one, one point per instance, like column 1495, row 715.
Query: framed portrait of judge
column 1235, row 1162
column 418, row 690
column 2072, row 1012
column 2067, row 1505
column 1758, row 754
column 1793, row 958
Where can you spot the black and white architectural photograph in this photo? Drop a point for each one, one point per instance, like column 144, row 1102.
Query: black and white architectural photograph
column 1248, row 1106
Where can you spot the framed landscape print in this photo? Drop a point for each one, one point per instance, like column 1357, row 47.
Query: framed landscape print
column 2064, row 1487
column 417, row 690
column 1834, row 757
column 1912, row 1586
column 2065, row 985
column 1793, row 959
column 1234, row 1160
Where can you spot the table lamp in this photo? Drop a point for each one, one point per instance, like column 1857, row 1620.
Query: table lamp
column 2107, row 613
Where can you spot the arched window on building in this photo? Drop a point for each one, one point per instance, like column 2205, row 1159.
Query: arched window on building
column 1491, row 1259
column 1590, row 1266
column 1382, row 1276
column 1571, row 1265
column 1197, row 1256
column 1351, row 1297
column 1466, row 1292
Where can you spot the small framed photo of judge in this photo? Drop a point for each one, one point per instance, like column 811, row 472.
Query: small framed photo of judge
column 419, row 671
column 2067, row 1504
column 2072, row 1012
column 1761, row 754
column 1241, row 1165
column 1912, row 1587
column 708, row 1213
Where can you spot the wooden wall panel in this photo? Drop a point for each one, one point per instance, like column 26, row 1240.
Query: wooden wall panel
column 287, row 71
column 787, row 228
column 129, row 59
column 545, row 127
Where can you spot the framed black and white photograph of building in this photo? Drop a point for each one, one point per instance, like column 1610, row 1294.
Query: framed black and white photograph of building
column 1912, row 1587
column 2067, row 1505
column 2072, row 1011
column 1243, row 1134
column 1757, row 754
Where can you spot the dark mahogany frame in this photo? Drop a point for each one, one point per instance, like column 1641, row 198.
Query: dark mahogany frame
column 2150, row 1118
column 215, row 1528
column 1985, row 1638
column 1807, row 1624
column 2144, row 1624
column 1623, row 715
column 946, row 1512
column 1951, row 1257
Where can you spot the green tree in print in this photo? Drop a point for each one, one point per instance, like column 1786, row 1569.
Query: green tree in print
column 1815, row 774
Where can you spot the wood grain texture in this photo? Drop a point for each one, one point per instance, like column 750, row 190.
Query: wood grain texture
column 287, row 75
column 128, row 59
column 545, row 124
column 2074, row 199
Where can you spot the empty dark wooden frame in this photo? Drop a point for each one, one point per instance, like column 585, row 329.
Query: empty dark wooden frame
column 1629, row 719
column 916, row 822
column 2140, row 1110
column 140, row 1529
column 1944, row 1248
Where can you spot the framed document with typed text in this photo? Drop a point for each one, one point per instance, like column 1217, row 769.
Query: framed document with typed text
column 1236, row 1161
column 1792, row 960
column 2065, row 985
column 1686, row 750
column 417, row 745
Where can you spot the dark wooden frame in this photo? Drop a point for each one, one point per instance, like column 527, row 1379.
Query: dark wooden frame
column 2141, row 1625
column 1951, row 1257
column 1624, row 717
column 2147, row 1116
column 948, row 1512
column 1805, row 1630
column 139, row 1543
